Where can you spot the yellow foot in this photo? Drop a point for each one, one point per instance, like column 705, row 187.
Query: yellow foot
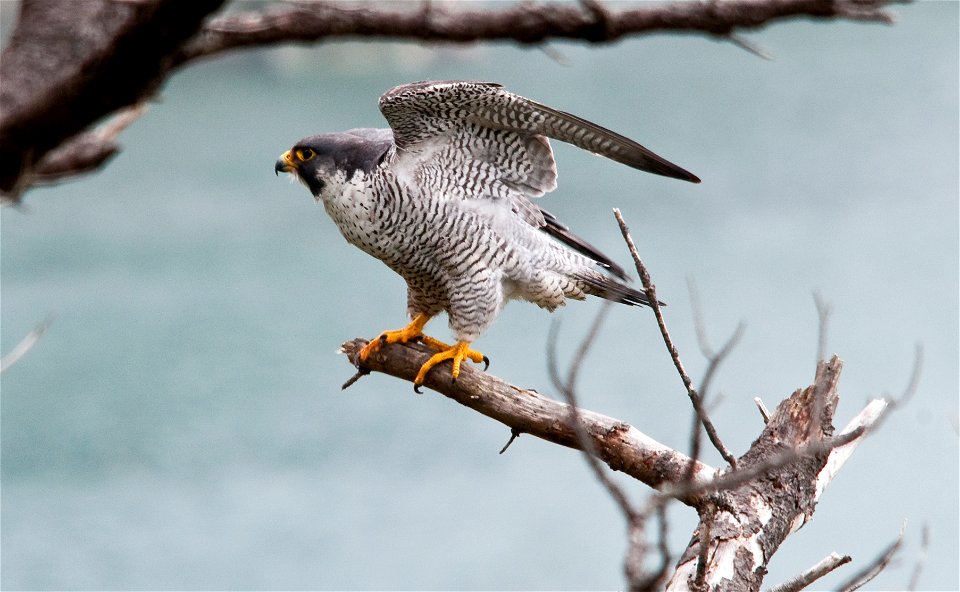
column 411, row 332
column 457, row 353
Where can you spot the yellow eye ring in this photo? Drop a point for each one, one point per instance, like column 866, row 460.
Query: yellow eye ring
column 304, row 154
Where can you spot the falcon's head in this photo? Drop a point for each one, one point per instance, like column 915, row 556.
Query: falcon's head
column 320, row 160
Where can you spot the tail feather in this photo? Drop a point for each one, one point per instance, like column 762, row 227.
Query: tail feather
column 562, row 233
column 600, row 285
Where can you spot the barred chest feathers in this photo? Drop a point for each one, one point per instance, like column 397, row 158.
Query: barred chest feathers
column 353, row 205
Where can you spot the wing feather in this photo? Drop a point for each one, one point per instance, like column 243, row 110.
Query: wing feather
column 474, row 140
column 422, row 111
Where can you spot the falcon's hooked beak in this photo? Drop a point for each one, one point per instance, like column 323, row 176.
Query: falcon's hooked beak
column 285, row 164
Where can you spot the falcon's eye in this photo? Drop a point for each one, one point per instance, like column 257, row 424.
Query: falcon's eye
column 305, row 154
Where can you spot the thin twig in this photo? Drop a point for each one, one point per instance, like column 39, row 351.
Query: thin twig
column 636, row 548
column 763, row 409
column 664, row 550
column 350, row 381
column 514, row 434
column 704, row 553
column 734, row 479
column 921, row 558
column 876, row 566
column 867, row 420
column 749, row 46
column 913, row 382
column 651, row 292
column 25, row 345
column 823, row 316
column 802, row 580
column 568, row 389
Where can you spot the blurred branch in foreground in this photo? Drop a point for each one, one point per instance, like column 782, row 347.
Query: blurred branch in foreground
column 70, row 64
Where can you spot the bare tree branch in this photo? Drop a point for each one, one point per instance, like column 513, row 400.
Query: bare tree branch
column 823, row 317
column 763, row 409
column 651, row 292
column 825, row 566
column 868, row 417
column 85, row 152
column 68, row 64
column 621, row 446
column 524, row 22
column 568, row 389
column 772, row 493
column 25, row 345
column 636, row 522
column 921, row 558
column 754, row 516
column 876, row 566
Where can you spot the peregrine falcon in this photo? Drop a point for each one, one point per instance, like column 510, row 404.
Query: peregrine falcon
column 443, row 197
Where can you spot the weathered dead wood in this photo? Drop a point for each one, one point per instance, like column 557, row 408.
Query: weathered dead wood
column 751, row 521
column 822, row 568
column 618, row 444
column 745, row 514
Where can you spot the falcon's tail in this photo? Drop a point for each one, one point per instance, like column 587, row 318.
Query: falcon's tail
column 600, row 285
column 562, row 233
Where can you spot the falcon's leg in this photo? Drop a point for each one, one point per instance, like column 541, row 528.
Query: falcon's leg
column 458, row 353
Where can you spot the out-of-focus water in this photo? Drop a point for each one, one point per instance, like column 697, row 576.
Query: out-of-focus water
column 181, row 424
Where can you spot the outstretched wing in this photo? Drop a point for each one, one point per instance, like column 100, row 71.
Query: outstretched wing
column 474, row 140
column 421, row 112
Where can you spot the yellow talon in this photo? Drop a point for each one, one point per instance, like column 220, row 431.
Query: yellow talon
column 414, row 331
column 457, row 353
column 409, row 333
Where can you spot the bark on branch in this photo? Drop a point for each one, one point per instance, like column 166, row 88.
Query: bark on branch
column 527, row 22
column 618, row 444
column 745, row 514
column 747, row 527
column 68, row 64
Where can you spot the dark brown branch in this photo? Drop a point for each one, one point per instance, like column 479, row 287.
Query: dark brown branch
column 621, row 446
column 85, row 152
column 68, row 64
column 525, row 22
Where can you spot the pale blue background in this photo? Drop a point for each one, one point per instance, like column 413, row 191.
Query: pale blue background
column 181, row 424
